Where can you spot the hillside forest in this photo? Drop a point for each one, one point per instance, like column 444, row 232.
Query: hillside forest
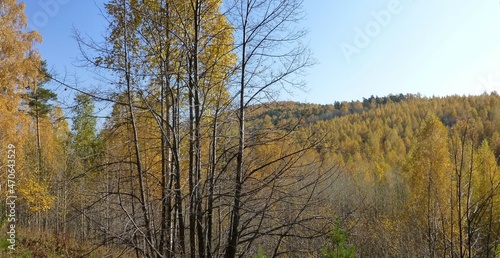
column 196, row 158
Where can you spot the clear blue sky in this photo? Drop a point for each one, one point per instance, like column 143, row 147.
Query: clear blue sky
column 363, row 47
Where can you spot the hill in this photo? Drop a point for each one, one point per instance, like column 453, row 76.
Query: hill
column 352, row 126
column 413, row 177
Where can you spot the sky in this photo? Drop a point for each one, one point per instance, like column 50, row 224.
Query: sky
column 362, row 47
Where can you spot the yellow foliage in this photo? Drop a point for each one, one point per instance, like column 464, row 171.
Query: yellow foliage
column 19, row 63
column 36, row 195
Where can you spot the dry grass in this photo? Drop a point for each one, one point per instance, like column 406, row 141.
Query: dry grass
column 42, row 244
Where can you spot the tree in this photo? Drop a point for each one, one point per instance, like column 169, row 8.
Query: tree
column 84, row 149
column 340, row 247
column 477, row 182
column 39, row 107
column 428, row 169
column 84, row 126
column 483, row 207
column 172, row 57
column 174, row 117
column 269, row 54
column 19, row 63
column 19, row 70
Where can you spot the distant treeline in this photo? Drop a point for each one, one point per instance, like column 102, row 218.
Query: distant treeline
column 316, row 112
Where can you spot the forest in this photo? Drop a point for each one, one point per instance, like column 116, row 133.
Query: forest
column 196, row 158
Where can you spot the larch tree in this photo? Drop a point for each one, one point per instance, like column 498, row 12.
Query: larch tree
column 476, row 187
column 483, row 210
column 429, row 169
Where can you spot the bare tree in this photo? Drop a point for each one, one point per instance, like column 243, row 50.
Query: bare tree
column 270, row 56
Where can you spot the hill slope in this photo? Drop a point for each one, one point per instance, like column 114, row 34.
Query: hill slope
column 422, row 169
